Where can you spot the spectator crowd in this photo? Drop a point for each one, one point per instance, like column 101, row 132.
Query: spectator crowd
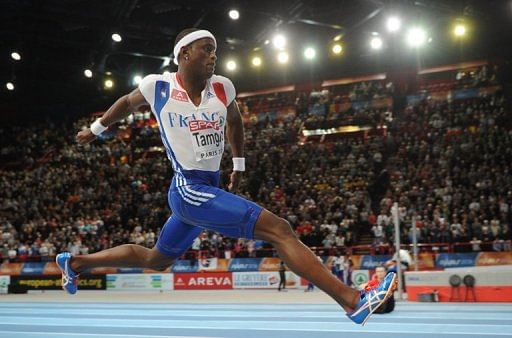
column 447, row 162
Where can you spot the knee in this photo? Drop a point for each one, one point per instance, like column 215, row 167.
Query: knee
column 157, row 261
column 280, row 231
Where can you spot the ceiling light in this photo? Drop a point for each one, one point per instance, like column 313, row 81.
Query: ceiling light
column 88, row 73
column 416, row 37
column 234, row 14
column 337, row 48
column 16, row 56
column 309, row 53
column 393, row 24
column 9, row 85
column 283, row 57
column 231, row 65
column 376, row 43
column 460, row 30
column 256, row 61
column 109, row 83
column 116, row 37
column 279, row 41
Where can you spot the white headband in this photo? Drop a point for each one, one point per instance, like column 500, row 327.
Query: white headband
column 189, row 38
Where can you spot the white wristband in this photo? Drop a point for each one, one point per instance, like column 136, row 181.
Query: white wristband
column 97, row 128
column 238, row 163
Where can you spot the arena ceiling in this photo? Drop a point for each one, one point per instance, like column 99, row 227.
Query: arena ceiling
column 59, row 39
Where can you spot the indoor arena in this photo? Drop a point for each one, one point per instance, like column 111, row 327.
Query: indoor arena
column 247, row 169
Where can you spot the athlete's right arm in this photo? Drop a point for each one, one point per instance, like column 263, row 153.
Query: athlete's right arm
column 123, row 107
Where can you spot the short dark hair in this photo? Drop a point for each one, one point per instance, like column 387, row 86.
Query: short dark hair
column 181, row 35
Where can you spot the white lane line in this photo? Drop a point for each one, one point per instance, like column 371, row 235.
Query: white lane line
column 113, row 335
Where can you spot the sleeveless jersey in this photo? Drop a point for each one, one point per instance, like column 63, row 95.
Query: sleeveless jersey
column 193, row 136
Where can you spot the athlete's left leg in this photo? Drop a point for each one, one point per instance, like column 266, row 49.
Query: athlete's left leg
column 175, row 238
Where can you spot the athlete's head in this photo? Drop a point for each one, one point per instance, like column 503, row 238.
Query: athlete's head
column 380, row 271
column 194, row 49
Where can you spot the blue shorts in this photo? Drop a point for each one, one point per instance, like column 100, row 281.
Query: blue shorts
column 197, row 207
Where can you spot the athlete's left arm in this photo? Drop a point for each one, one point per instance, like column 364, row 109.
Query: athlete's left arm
column 235, row 136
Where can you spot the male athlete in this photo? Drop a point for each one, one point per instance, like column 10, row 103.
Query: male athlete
column 196, row 111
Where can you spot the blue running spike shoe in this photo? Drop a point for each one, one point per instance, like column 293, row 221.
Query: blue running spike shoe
column 372, row 299
column 69, row 277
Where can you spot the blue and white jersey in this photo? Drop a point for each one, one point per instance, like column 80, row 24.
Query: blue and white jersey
column 193, row 136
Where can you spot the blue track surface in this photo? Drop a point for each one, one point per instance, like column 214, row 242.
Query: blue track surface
column 134, row 320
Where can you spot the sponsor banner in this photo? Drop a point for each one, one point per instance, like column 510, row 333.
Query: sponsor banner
column 213, row 264
column 415, row 99
column 4, row 284
column 185, row 266
column 356, row 260
column 270, row 264
column 85, row 282
column 168, row 270
column 130, row 270
column 461, row 94
column 456, row 260
column 425, row 261
column 51, row 268
column 139, row 282
column 12, row 269
column 286, row 113
column 360, row 277
column 382, row 102
column 489, row 90
column 317, row 109
column 33, row 268
column 244, row 264
column 360, row 105
column 439, row 96
column 263, row 280
column 371, row 262
column 494, row 258
column 203, row 281
column 103, row 271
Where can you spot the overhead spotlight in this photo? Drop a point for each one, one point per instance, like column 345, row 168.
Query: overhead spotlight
column 88, row 73
column 234, row 14
column 109, row 83
column 9, row 85
column 137, row 79
column 266, row 42
column 309, row 53
column 376, row 43
column 459, row 30
column 256, row 61
column 337, row 37
column 283, row 57
column 416, row 37
column 231, row 65
column 393, row 24
column 16, row 56
column 116, row 37
column 279, row 41
column 337, row 49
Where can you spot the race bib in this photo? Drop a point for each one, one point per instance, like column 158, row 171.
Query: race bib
column 207, row 139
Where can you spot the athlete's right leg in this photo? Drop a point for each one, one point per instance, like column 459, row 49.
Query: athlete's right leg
column 301, row 260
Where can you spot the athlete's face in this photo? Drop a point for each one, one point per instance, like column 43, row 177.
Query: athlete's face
column 202, row 56
column 380, row 272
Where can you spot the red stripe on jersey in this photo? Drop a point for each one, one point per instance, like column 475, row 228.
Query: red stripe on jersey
column 220, row 92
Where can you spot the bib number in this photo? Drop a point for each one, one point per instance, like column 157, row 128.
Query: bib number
column 207, row 139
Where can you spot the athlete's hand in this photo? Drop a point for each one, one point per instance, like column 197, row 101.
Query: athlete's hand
column 235, row 178
column 85, row 136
